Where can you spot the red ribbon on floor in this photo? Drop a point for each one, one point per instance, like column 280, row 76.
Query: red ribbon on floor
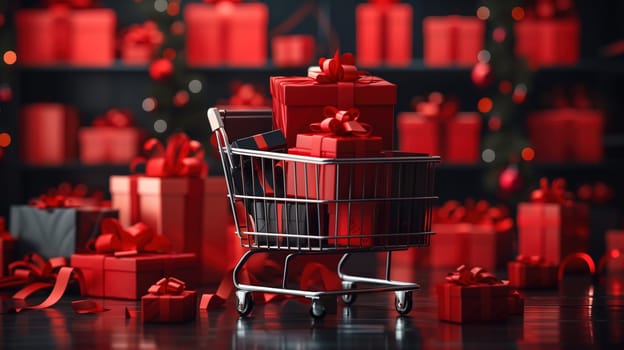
column 465, row 276
column 181, row 157
column 342, row 122
column 114, row 238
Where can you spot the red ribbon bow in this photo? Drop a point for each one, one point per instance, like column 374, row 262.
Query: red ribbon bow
column 167, row 286
column 131, row 240
column 551, row 193
column 342, row 122
column 340, row 68
column 480, row 213
column 143, row 34
column 118, row 118
column 464, row 276
column 35, row 267
column 66, row 196
column 181, row 157
column 436, row 106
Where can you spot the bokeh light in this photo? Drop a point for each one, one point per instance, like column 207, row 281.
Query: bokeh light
column 169, row 54
column 160, row 5
column 483, row 13
column 517, row 13
column 160, row 126
column 195, row 86
column 485, row 105
column 505, row 87
column 149, row 104
column 484, row 56
column 495, row 123
column 488, row 155
column 173, row 9
column 527, row 154
column 5, row 139
column 10, row 57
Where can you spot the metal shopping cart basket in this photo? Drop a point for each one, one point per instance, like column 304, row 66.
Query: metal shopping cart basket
column 311, row 206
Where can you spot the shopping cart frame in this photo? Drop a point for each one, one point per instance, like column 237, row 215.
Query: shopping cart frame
column 402, row 289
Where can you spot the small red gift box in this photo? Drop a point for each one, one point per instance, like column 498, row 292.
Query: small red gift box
column 139, row 41
column 548, row 41
column 614, row 242
column 532, row 272
column 168, row 301
column 298, row 101
column 7, row 248
column 479, row 299
column 48, row 133
column 452, row 40
column 111, row 140
column 293, row 50
column 92, row 37
column 226, row 33
column 125, row 198
column 384, row 34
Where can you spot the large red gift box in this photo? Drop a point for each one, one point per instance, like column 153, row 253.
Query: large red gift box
column 472, row 301
column 226, row 33
column 56, row 35
column 7, row 248
column 532, row 272
column 128, row 277
column 293, row 50
column 384, row 34
column 48, row 133
column 125, row 198
column 168, row 301
column 548, row 41
column 452, row 40
column 299, row 101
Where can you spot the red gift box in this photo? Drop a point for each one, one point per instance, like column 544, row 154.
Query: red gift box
column 37, row 35
column 473, row 301
column 298, row 101
column 48, row 133
column 139, row 42
column 92, row 37
column 226, row 33
column 167, row 301
column 7, row 248
column 112, row 139
column 125, row 198
column 353, row 224
column 293, row 50
column 548, row 41
column 452, row 40
column 532, row 272
column 384, row 34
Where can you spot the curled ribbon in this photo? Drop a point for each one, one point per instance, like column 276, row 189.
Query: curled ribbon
column 35, row 267
column 340, row 68
column 126, row 241
column 465, row 276
column 181, row 157
column 342, row 122
column 167, row 286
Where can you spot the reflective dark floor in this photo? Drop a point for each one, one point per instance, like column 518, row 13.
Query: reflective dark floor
column 581, row 314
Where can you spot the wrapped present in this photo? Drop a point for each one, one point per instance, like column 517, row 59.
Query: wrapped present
column 384, row 34
column 552, row 225
column 125, row 198
column 226, row 33
column 472, row 295
column 245, row 96
column 112, row 139
column 138, row 43
column 437, row 129
column 452, row 40
column 293, row 50
column 53, row 229
column 532, row 272
column 126, row 260
column 614, row 255
column 169, row 301
column 298, row 101
column 92, row 37
column 7, row 248
column 48, row 133
column 548, row 41
column 65, row 195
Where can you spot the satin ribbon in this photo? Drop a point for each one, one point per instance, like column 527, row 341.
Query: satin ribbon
column 118, row 118
column 551, row 193
column 342, row 122
column 182, row 157
column 167, row 286
column 340, row 68
column 465, row 276
column 128, row 241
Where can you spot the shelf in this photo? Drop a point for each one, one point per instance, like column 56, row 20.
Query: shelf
column 79, row 167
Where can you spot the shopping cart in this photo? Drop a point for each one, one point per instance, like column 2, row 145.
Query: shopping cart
column 312, row 206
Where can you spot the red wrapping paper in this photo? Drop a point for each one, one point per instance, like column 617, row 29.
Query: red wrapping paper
column 384, row 34
column 226, row 33
column 548, row 41
column 299, row 101
column 532, row 273
column 125, row 198
column 169, row 307
column 452, row 40
column 112, row 139
column 293, row 50
column 48, row 133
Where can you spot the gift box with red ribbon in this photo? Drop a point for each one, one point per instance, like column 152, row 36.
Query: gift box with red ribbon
column 472, row 295
column 7, row 247
column 65, row 34
column 226, row 33
column 567, row 134
column 452, row 40
column 125, row 261
column 293, row 50
column 48, row 133
column 125, row 198
column 552, row 225
column 473, row 233
column 614, row 255
column 112, row 139
column 383, row 34
column 436, row 128
column 299, row 101
column 139, row 42
column 168, row 301
column 52, row 226
column 532, row 272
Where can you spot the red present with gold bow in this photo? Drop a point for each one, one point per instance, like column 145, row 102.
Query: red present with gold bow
column 472, row 295
column 226, row 33
column 139, row 42
column 299, row 101
column 552, row 225
column 383, row 34
column 437, row 128
column 7, row 247
column 127, row 259
column 532, row 272
column 169, row 301
column 113, row 139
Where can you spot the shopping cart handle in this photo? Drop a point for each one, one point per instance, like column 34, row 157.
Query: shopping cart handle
column 214, row 118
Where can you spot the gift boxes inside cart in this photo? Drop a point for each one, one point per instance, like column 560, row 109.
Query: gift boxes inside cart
column 328, row 194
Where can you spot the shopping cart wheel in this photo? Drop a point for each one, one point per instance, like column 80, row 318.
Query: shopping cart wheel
column 317, row 310
column 403, row 302
column 244, row 302
column 348, row 298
